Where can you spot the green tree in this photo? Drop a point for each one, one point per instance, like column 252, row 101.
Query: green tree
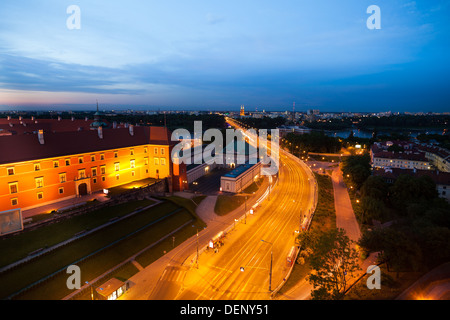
column 408, row 190
column 375, row 187
column 333, row 261
column 372, row 209
column 357, row 168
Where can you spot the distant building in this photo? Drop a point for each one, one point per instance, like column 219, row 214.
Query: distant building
column 240, row 178
column 242, row 113
column 410, row 158
column 442, row 179
column 284, row 130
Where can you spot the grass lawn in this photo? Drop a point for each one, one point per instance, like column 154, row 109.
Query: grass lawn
column 325, row 214
column 55, row 288
column 227, row 203
column 19, row 246
column 391, row 286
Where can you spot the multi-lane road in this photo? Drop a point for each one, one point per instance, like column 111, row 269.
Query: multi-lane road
column 253, row 260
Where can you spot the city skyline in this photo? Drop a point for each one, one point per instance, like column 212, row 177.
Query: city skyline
column 218, row 56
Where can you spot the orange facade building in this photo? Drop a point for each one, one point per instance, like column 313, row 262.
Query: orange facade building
column 46, row 167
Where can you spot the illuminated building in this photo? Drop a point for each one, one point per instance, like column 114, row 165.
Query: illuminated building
column 43, row 168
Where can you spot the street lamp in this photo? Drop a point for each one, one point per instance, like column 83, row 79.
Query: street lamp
column 271, row 258
column 245, row 212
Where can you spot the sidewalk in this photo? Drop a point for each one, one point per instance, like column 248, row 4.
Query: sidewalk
column 345, row 217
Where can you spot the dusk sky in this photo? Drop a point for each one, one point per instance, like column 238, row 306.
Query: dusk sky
column 219, row 55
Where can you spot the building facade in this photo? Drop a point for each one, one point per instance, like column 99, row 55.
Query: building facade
column 43, row 168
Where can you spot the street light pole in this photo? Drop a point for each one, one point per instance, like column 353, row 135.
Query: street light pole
column 197, row 249
column 271, row 259
column 245, row 212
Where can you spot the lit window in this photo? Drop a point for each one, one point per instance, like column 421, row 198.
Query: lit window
column 156, row 161
column 81, row 174
column 62, row 177
column 117, row 166
column 10, row 171
column 103, row 170
column 13, row 187
column 14, row 202
column 163, row 161
column 132, row 164
column 39, row 182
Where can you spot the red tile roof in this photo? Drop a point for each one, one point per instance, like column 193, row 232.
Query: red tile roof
column 16, row 126
column 26, row 147
column 439, row 177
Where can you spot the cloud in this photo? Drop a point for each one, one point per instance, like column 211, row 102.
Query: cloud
column 214, row 19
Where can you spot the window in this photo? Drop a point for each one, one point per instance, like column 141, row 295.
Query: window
column 80, row 160
column 10, row 171
column 61, row 190
column 40, row 195
column 13, row 187
column 56, row 164
column 133, row 174
column 67, row 162
column 37, row 166
column 102, row 157
column 117, row 166
column 131, row 152
column 132, row 164
column 162, row 151
column 146, row 161
column 155, row 151
column 117, row 176
column 156, row 161
column 145, row 149
column 163, row 161
column 116, row 154
column 93, row 157
column 14, row 201
column 103, row 169
column 103, row 178
column 39, row 182
column 62, row 177
column 81, row 174
column 94, row 180
column 94, row 172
